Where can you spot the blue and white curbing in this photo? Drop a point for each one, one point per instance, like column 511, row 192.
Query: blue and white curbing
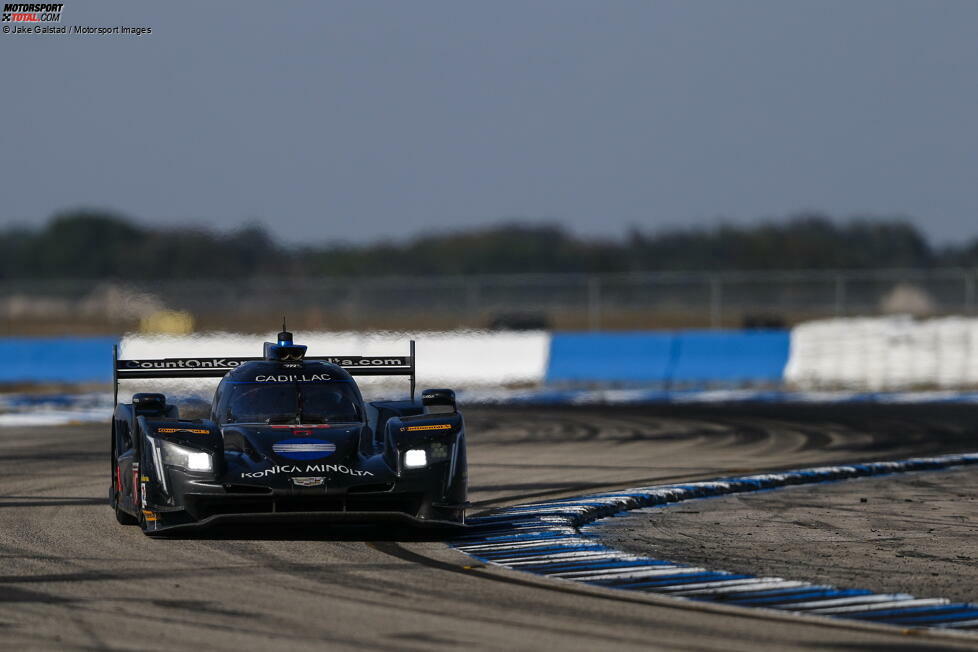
column 552, row 539
column 549, row 396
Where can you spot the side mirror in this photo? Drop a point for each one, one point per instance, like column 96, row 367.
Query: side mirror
column 149, row 403
column 438, row 401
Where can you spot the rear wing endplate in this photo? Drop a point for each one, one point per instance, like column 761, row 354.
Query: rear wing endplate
column 356, row 365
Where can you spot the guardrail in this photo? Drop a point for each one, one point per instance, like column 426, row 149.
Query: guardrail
column 635, row 301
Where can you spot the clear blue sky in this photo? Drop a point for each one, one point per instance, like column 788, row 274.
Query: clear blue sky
column 357, row 120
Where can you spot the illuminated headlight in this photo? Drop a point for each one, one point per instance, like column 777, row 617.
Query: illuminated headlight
column 415, row 458
column 186, row 458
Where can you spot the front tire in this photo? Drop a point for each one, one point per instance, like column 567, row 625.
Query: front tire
column 123, row 518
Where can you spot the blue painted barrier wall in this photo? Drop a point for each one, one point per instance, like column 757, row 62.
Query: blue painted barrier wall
column 679, row 358
column 56, row 359
column 668, row 358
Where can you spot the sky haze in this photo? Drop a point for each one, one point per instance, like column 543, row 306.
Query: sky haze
column 356, row 121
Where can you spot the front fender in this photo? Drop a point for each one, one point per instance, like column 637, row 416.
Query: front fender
column 436, row 434
column 155, row 474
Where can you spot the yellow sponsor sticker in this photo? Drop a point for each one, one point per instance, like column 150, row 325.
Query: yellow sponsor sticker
column 145, row 478
column 437, row 426
column 195, row 431
column 148, row 515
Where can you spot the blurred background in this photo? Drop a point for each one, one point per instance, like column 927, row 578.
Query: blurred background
column 669, row 194
column 87, row 272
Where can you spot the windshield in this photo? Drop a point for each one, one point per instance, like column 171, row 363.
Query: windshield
column 301, row 402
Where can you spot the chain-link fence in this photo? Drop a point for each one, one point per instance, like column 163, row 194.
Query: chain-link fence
column 557, row 301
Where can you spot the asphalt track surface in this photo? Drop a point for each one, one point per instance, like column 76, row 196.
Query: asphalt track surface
column 920, row 527
column 71, row 578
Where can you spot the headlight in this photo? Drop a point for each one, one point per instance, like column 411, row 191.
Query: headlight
column 186, row 458
column 415, row 458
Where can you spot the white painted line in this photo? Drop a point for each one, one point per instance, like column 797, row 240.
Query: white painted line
column 545, row 560
column 542, row 543
column 783, row 584
column 596, row 574
column 838, row 602
column 661, row 571
column 882, row 605
column 960, row 623
column 760, row 582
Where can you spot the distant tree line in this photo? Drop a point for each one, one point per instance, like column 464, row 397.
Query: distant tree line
column 86, row 244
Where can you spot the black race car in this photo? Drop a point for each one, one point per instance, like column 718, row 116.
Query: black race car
column 288, row 439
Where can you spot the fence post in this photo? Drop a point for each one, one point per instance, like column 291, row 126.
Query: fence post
column 969, row 291
column 716, row 303
column 354, row 305
column 594, row 303
column 472, row 297
column 840, row 295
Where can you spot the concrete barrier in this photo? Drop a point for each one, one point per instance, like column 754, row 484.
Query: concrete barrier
column 461, row 359
column 480, row 358
column 884, row 354
column 874, row 359
column 56, row 359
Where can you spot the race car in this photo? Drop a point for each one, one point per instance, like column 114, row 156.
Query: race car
column 289, row 439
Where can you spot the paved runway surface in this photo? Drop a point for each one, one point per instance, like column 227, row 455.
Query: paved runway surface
column 71, row 578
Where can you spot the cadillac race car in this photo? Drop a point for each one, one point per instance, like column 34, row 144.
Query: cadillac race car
column 289, row 438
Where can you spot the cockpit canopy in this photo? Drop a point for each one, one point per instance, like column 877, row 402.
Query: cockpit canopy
column 285, row 388
column 331, row 401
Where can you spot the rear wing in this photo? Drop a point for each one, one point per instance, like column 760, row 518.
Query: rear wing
column 356, row 365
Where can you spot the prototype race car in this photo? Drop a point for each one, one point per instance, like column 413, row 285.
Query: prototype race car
column 288, row 439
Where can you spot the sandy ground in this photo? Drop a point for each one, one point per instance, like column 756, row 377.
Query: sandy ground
column 915, row 533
